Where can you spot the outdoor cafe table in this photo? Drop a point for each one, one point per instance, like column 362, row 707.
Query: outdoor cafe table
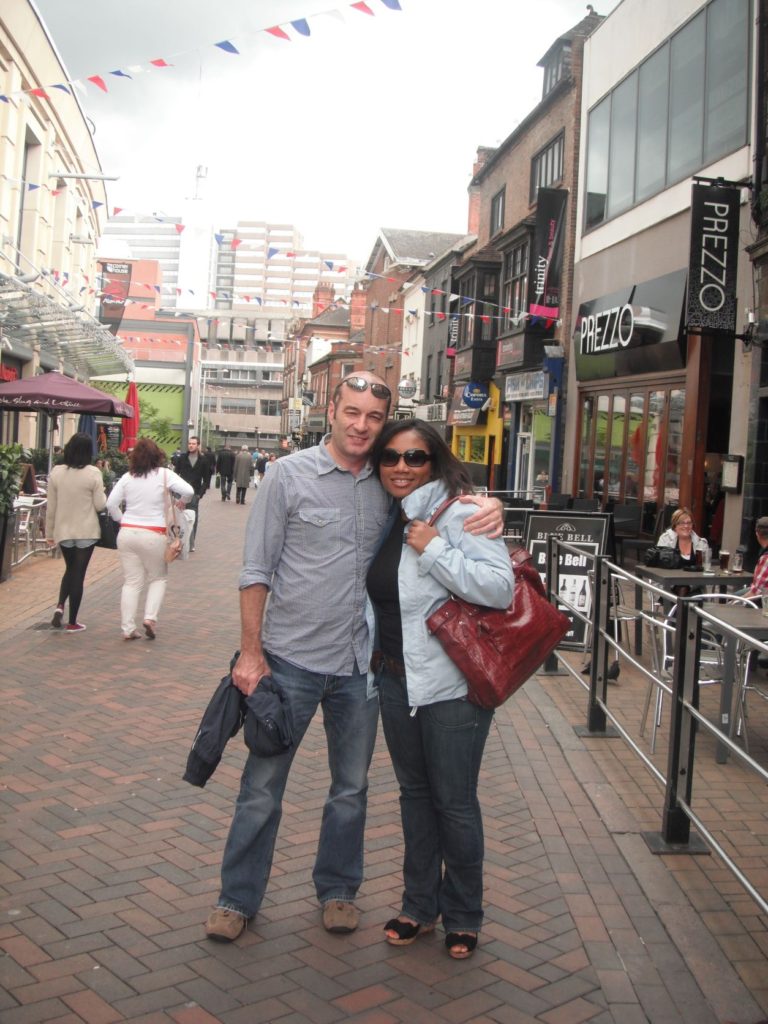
column 667, row 579
column 750, row 621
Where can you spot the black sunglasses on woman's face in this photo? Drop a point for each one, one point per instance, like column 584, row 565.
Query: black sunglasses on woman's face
column 414, row 457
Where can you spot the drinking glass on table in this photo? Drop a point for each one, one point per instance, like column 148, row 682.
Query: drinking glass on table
column 725, row 559
column 764, row 602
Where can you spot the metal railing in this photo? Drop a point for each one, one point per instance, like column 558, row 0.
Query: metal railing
column 687, row 720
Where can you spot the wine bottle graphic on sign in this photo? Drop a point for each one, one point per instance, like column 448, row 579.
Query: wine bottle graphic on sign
column 581, row 601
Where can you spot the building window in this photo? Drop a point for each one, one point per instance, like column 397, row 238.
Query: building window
column 681, row 109
column 556, row 68
column 514, row 299
column 270, row 406
column 497, row 213
column 239, row 406
column 547, row 166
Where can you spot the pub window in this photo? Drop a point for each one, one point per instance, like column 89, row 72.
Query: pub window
column 684, row 107
column 515, row 284
column 497, row 212
column 547, row 166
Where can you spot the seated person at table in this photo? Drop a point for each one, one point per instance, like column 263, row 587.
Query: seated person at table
column 760, row 578
column 676, row 547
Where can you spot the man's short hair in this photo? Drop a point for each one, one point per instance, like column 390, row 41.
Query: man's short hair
column 762, row 525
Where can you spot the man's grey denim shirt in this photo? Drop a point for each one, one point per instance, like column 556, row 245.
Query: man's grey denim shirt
column 311, row 535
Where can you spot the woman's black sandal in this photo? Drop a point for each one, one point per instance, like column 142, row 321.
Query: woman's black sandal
column 406, row 931
column 453, row 940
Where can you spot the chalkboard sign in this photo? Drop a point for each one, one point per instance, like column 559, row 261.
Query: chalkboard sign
column 588, row 532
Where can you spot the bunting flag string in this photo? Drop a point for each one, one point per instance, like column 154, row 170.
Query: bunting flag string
column 297, row 28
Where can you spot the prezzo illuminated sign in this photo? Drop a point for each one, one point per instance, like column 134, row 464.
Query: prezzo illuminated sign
column 635, row 329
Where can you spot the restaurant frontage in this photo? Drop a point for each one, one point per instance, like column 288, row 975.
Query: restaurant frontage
column 657, row 408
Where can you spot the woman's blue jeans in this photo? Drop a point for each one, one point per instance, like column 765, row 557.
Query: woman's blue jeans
column 436, row 754
column 350, row 718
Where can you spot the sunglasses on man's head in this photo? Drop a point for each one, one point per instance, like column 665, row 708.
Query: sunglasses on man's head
column 361, row 384
column 414, row 457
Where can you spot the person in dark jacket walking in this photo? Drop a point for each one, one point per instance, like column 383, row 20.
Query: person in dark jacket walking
column 195, row 468
column 225, row 467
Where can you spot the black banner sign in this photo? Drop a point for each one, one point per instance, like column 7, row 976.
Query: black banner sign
column 115, row 283
column 713, row 264
column 546, row 264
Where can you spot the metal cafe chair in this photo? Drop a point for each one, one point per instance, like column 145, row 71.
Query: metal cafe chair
column 711, row 658
column 620, row 613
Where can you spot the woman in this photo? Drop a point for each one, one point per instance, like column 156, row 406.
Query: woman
column 75, row 497
column 143, row 493
column 435, row 736
column 681, row 537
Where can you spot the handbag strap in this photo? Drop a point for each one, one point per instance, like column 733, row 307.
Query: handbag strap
column 169, row 504
column 518, row 555
column 440, row 509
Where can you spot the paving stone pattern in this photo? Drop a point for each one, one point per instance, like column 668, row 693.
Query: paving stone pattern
column 109, row 862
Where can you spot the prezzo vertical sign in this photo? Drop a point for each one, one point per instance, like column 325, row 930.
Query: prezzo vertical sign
column 547, row 261
column 713, row 264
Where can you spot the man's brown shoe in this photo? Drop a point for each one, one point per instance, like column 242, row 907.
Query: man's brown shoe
column 224, row 925
column 340, row 917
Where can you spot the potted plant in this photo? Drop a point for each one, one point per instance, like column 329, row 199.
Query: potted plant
column 11, row 458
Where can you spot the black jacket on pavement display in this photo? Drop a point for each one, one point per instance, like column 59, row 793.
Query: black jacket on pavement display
column 266, row 715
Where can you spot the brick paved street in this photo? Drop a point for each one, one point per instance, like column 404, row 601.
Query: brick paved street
column 109, row 862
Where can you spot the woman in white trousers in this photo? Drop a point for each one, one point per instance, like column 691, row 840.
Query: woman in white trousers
column 140, row 502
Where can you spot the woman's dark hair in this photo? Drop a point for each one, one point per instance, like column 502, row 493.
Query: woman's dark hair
column 445, row 465
column 78, row 451
column 145, row 457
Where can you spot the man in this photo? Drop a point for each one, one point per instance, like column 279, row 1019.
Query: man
column 243, row 470
column 318, row 518
column 225, row 464
column 194, row 467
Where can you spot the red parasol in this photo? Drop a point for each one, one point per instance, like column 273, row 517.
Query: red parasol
column 131, row 424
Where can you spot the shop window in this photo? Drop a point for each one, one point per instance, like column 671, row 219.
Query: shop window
column 616, row 447
column 601, row 436
column 477, row 449
column 461, row 448
column 586, row 434
column 635, row 440
column 680, row 110
column 654, row 458
column 673, row 466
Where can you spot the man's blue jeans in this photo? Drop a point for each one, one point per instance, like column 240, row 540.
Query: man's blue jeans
column 350, row 718
column 436, row 754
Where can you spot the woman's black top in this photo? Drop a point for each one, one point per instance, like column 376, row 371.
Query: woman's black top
column 383, row 592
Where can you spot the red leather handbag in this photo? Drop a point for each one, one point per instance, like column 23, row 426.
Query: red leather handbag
column 497, row 649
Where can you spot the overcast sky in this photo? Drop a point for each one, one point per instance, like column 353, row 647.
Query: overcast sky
column 369, row 122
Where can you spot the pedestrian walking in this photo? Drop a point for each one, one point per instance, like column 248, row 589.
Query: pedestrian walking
column 242, row 472
column 139, row 501
column 318, row 518
column 225, row 466
column 194, row 467
column 75, row 497
column 435, row 736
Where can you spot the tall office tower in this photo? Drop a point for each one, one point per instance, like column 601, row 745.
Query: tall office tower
column 148, row 238
column 260, row 264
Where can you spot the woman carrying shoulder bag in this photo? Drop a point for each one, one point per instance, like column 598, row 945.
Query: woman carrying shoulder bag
column 142, row 493
column 75, row 497
column 434, row 734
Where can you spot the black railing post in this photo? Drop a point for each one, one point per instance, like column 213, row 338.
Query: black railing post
column 598, row 674
column 676, row 825
column 551, row 665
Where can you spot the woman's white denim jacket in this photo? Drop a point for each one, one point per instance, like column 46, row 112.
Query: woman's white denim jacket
column 475, row 568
